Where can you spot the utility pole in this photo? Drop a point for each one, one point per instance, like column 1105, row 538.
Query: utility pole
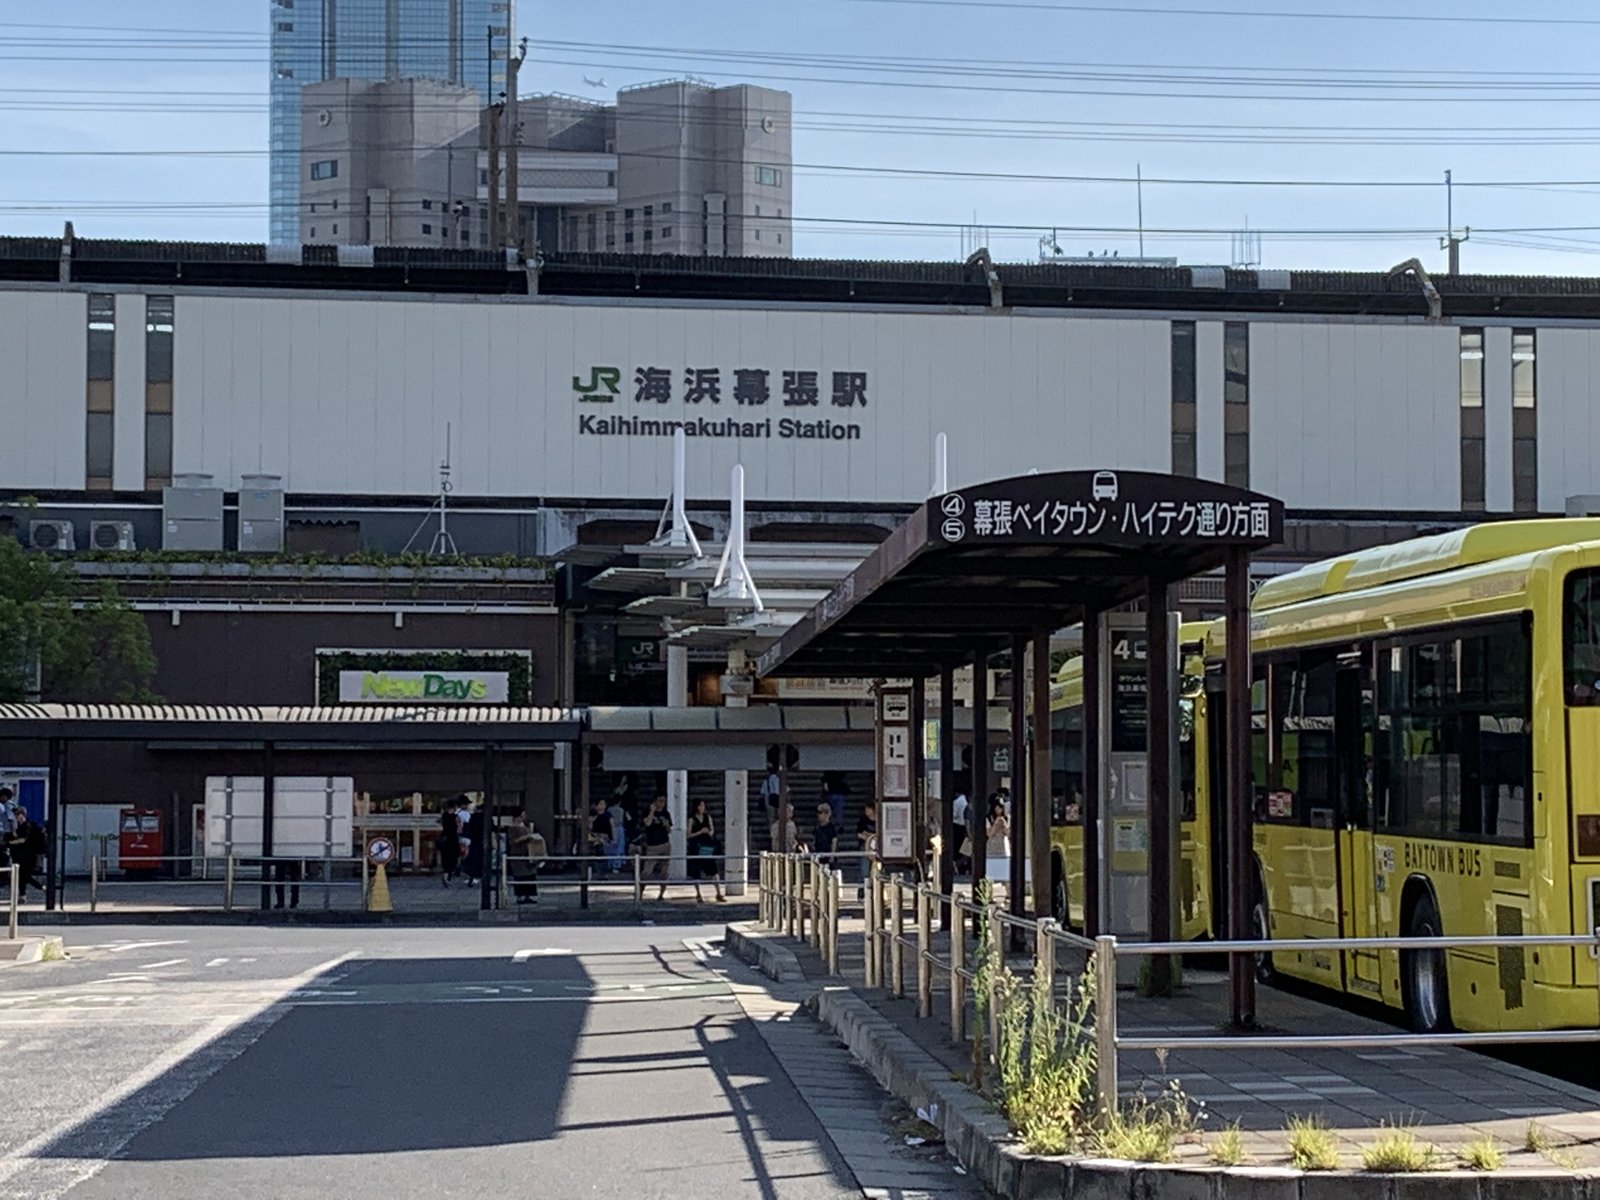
column 495, row 238
column 513, row 143
column 1450, row 242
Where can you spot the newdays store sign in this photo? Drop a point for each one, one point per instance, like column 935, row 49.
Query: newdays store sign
column 424, row 687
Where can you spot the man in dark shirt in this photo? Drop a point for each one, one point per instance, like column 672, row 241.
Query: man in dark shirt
column 825, row 838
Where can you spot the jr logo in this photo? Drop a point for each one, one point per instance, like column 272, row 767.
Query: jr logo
column 604, row 386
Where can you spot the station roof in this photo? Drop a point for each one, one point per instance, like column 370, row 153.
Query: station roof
column 974, row 568
column 360, row 724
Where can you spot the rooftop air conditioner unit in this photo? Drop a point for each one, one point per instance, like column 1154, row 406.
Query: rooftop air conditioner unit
column 51, row 535
column 112, row 535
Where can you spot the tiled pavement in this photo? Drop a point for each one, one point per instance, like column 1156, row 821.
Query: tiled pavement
column 848, row 1103
column 1448, row 1095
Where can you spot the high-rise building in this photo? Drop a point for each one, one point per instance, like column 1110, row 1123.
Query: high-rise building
column 676, row 167
column 463, row 42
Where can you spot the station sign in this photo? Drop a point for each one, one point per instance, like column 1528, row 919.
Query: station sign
column 1119, row 508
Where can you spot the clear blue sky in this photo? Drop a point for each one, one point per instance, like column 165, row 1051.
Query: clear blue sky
column 1016, row 67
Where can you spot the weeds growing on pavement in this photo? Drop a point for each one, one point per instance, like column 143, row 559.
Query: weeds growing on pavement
column 1147, row 1130
column 1537, row 1138
column 1397, row 1149
column 1482, row 1155
column 1312, row 1146
column 1228, row 1149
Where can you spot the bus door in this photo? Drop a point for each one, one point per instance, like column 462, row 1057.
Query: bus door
column 1358, row 866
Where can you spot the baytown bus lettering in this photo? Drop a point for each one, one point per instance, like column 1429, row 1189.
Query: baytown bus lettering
column 1465, row 861
column 702, row 427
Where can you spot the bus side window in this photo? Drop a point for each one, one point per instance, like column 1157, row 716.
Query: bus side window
column 1582, row 641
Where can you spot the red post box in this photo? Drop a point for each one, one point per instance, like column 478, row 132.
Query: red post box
column 141, row 841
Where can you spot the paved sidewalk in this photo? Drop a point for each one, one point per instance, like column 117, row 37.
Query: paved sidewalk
column 1449, row 1096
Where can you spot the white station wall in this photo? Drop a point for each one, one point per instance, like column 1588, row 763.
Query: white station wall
column 353, row 396
column 43, row 389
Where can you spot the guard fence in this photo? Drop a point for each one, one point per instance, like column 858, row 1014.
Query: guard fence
column 228, row 882
column 800, row 896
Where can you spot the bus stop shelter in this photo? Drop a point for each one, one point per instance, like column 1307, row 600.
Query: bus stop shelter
column 996, row 568
column 267, row 732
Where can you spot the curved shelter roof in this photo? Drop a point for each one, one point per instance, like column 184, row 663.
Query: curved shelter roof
column 974, row 568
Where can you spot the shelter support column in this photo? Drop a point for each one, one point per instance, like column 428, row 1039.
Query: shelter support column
column 978, row 797
column 947, row 784
column 55, row 825
column 919, row 775
column 269, row 818
column 1240, row 860
column 1041, row 784
column 677, row 781
column 1017, row 890
column 1158, row 685
column 491, row 834
column 1092, row 916
column 736, row 798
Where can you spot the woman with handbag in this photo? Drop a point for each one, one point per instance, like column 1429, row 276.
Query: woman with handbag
column 705, row 851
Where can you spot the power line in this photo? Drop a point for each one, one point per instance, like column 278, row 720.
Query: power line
column 1141, row 10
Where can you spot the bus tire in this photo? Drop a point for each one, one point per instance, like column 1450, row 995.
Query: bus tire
column 1261, row 931
column 1058, row 892
column 1423, row 979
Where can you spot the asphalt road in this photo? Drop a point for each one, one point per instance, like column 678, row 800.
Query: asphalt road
column 636, row 1062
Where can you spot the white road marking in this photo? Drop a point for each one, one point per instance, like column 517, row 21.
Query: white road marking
column 216, row 962
column 125, row 946
column 165, row 962
column 525, row 955
column 245, row 960
column 166, row 1081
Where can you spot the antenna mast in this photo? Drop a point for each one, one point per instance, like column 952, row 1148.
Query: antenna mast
column 443, row 544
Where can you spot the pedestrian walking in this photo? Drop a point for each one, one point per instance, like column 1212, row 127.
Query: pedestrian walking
column 475, row 859
column 600, row 831
column 27, row 846
column 960, row 810
column 447, row 845
column 618, row 846
column 526, row 847
column 658, row 843
column 825, row 837
column 998, row 847
column 293, row 872
column 464, row 815
column 705, row 851
column 866, row 841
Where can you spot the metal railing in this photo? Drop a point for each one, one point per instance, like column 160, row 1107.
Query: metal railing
column 274, row 872
column 789, row 884
column 597, row 872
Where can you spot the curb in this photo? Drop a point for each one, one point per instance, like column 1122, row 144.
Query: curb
column 33, row 950
column 764, row 952
column 982, row 1140
column 694, row 915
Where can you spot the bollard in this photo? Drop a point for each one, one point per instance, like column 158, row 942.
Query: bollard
column 924, row 954
column 366, row 884
column 638, row 880
column 11, row 914
column 762, row 913
column 808, row 901
column 835, row 886
column 505, row 877
column 995, row 923
column 958, row 984
column 1044, row 955
column 583, row 884
column 897, row 929
column 94, row 882
column 1105, row 1020
column 870, row 929
column 227, row 885
column 791, row 900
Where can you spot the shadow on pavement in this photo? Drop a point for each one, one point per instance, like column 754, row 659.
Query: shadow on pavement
column 427, row 1054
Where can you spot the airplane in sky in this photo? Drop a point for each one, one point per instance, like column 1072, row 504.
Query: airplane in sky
column 595, row 83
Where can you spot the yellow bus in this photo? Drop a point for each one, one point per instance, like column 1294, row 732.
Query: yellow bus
column 1426, row 762
column 1194, row 897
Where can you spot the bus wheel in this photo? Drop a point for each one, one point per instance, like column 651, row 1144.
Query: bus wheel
column 1058, row 897
column 1427, row 996
column 1261, row 930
